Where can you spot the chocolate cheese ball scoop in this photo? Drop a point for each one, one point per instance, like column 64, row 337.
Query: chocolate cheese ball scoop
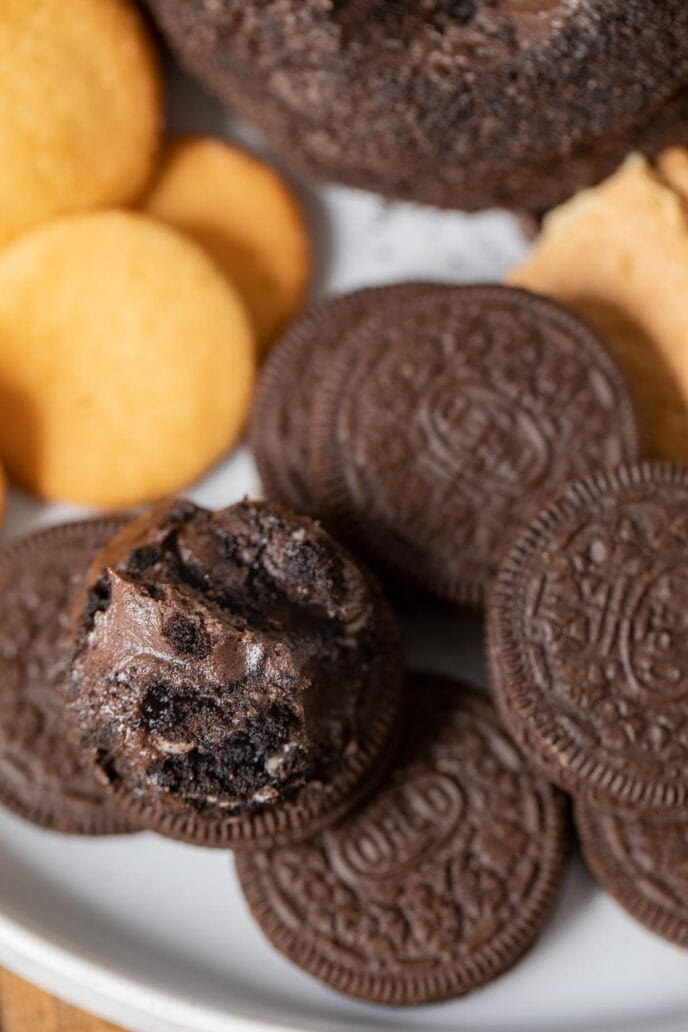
column 460, row 103
column 236, row 676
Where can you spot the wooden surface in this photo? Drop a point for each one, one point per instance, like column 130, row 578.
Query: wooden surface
column 23, row 1008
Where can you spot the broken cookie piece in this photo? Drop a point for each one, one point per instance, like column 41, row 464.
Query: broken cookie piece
column 617, row 256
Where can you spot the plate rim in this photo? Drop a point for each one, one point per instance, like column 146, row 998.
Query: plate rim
column 69, row 973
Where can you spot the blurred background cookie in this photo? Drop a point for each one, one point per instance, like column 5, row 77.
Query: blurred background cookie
column 672, row 165
column 80, row 108
column 246, row 217
column 127, row 360
column 618, row 256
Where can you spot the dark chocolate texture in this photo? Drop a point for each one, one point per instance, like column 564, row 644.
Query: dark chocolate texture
column 462, row 104
column 226, row 662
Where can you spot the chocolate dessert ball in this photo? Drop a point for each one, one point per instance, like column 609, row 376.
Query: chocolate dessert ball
column 451, row 102
column 235, row 676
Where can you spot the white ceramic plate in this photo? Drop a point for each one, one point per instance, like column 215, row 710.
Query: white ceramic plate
column 156, row 936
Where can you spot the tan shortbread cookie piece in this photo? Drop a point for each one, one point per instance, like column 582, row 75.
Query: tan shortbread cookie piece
column 618, row 256
column 247, row 218
column 672, row 165
column 3, row 495
column 80, row 108
column 127, row 361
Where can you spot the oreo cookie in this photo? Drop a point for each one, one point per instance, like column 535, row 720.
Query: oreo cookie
column 43, row 775
column 640, row 859
column 439, row 883
column 236, row 678
column 280, row 430
column 587, row 636
column 442, row 425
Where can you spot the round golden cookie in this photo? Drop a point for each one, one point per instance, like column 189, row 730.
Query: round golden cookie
column 80, row 108
column 127, row 361
column 246, row 217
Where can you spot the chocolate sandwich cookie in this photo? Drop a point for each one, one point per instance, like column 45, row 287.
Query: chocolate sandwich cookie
column 236, row 677
column 641, row 861
column 517, row 732
column 440, row 882
column 443, row 425
column 443, row 102
column 587, row 629
column 280, row 422
column 43, row 776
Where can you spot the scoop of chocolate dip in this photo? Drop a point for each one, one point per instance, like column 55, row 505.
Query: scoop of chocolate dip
column 225, row 660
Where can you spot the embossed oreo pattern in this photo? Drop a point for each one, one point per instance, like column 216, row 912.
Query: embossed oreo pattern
column 42, row 774
column 445, row 425
column 440, row 882
column 641, row 861
column 281, row 416
column 588, row 622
